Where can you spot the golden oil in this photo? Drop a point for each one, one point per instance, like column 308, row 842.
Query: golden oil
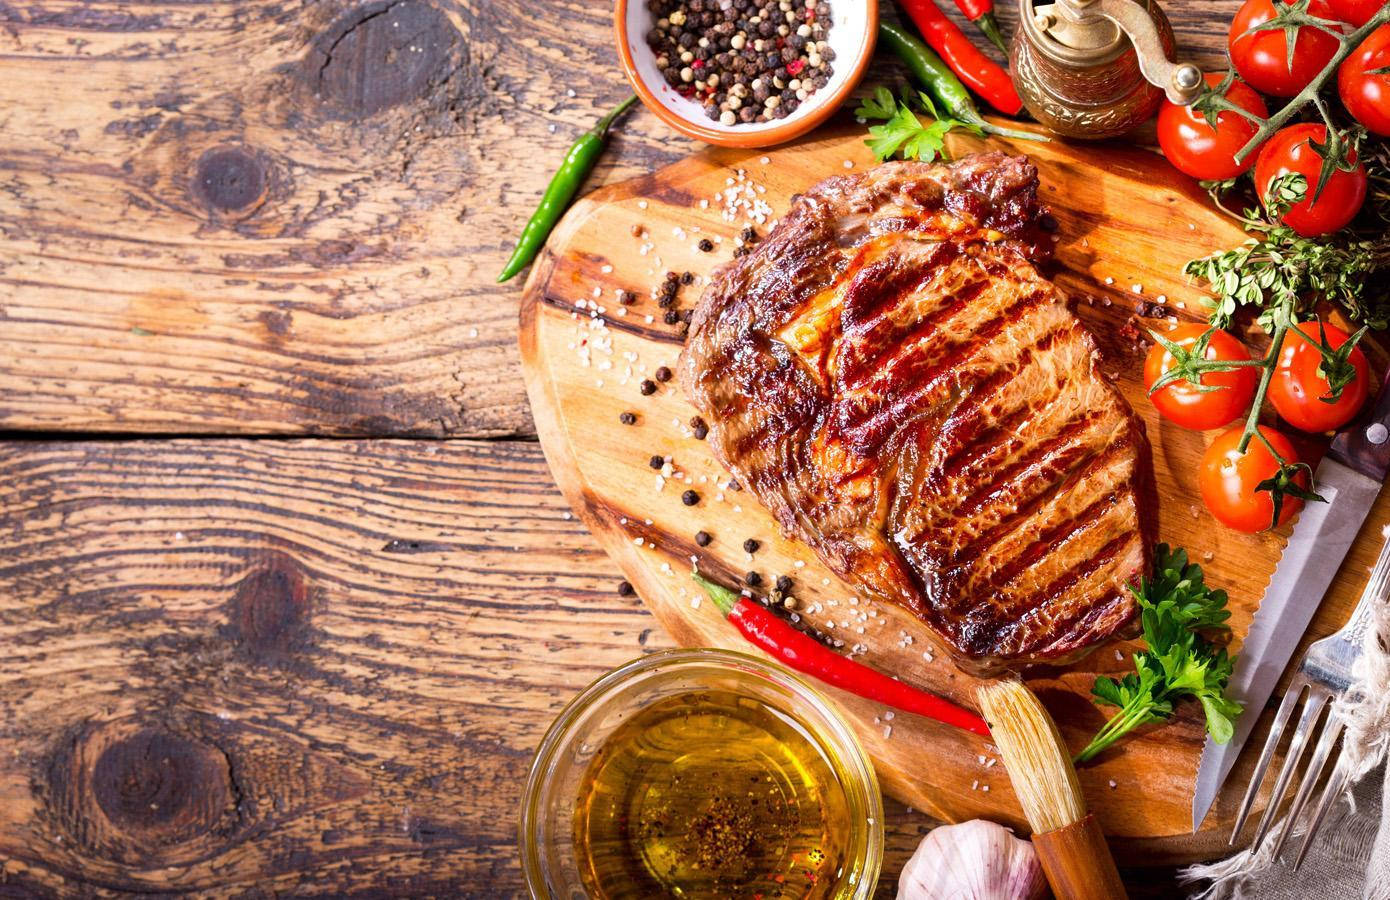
column 711, row 794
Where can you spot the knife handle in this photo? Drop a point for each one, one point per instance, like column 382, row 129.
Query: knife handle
column 1364, row 444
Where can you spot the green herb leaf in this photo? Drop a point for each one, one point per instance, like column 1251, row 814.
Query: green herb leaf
column 902, row 134
column 1176, row 607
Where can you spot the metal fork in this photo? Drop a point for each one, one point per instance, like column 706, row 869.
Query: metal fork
column 1325, row 676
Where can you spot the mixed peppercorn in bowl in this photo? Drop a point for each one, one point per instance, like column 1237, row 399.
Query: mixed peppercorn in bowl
column 744, row 73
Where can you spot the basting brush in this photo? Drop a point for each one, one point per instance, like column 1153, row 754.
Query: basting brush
column 1070, row 846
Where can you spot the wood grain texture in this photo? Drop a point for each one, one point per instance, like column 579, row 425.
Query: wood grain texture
column 282, row 216
column 310, row 667
column 1127, row 222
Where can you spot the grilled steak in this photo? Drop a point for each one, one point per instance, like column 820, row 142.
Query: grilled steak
column 894, row 380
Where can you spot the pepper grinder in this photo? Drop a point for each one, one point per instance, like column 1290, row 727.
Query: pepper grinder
column 1097, row 68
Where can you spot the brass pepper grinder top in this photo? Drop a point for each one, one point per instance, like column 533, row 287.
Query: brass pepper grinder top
column 1097, row 68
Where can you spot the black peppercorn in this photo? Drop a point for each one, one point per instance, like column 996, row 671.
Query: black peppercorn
column 751, row 546
column 656, row 462
column 625, row 589
column 663, row 374
column 784, row 584
column 699, row 428
column 671, row 317
column 752, row 579
column 647, row 387
column 705, row 245
column 703, row 538
column 628, row 418
column 690, row 498
column 687, row 278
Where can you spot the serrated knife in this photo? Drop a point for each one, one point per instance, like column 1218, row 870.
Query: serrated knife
column 1349, row 477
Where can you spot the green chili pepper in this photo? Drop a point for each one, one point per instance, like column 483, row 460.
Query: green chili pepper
column 579, row 162
column 934, row 75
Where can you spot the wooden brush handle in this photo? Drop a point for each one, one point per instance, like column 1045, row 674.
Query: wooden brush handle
column 1077, row 862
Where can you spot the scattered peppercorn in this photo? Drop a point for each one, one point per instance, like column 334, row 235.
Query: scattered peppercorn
column 748, row 235
column 751, row 546
column 690, row 498
column 647, row 387
column 628, row 418
column 699, row 428
column 784, row 583
column 656, row 462
column 663, row 374
column 687, row 278
column 625, row 589
column 705, row 245
column 671, row 317
column 703, row 538
column 627, row 298
column 752, row 579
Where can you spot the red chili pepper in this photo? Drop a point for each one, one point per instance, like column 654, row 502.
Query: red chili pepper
column 980, row 73
column 764, row 629
column 981, row 13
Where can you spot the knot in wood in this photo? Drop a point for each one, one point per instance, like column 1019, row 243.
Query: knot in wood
column 381, row 55
column 270, row 610
column 156, row 780
column 229, row 179
column 139, row 793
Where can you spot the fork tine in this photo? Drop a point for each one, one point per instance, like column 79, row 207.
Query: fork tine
column 1276, row 731
column 1306, row 722
column 1335, row 785
column 1330, row 732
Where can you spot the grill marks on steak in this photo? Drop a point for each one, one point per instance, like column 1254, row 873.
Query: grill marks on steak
column 890, row 375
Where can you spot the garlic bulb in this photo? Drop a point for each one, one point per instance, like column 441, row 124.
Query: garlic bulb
column 974, row 860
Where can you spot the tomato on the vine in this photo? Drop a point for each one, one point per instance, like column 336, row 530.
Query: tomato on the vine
column 1197, row 148
column 1367, row 95
column 1291, row 150
column 1229, row 480
column 1262, row 57
column 1357, row 12
column 1180, row 401
column 1298, row 386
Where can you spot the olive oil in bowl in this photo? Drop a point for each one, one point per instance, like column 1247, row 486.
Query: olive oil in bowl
column 701, row 774
column 710, row 794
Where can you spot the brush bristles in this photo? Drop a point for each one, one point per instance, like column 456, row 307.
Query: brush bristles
column 1038, row 763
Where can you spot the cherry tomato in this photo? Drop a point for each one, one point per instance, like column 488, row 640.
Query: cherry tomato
column 1290, row 150
column 1367, row 96
column 1297, row 388
column 1262, row 58
column 1180, row 402
column 1229, row 478
column 1357, row 12
column 1196, row 148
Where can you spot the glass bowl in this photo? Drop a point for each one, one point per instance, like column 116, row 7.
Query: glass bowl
column 550, row 855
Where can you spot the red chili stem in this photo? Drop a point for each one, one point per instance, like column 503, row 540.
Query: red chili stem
column 776, row 637
column 973, row 9
column 980, row 73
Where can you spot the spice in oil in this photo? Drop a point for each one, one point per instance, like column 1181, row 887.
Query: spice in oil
column 711, row 794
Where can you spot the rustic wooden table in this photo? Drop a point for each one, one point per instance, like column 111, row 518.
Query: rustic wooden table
column 287, row 597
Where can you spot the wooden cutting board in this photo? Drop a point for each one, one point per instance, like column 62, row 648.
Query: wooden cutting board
column 1128, row 223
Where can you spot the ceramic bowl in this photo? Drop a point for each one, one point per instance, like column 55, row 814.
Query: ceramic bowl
column 852, row 37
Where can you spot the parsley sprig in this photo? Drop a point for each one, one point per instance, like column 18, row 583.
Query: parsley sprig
column 1176, row 607
column 902, row 134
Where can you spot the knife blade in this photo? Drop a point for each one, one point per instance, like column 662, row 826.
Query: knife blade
column 1349, row 477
